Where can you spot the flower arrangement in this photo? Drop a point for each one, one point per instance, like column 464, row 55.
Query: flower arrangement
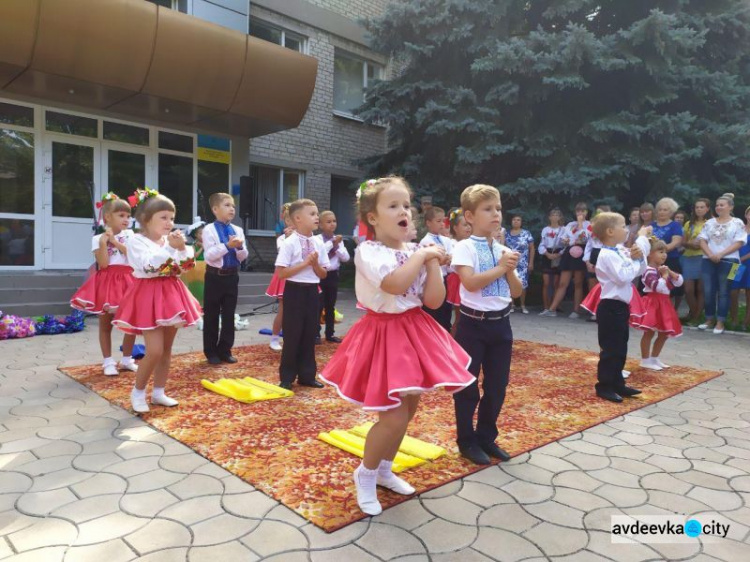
column 140, row 195
column 364, row 185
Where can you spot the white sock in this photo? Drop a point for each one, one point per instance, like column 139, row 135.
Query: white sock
column 108, row 361
column 139, row 393
column 387, row 478
column 158, row 392
column 126, row 359
column 385, row 468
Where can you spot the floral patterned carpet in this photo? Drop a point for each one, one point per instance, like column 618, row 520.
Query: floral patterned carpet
column 273, row 445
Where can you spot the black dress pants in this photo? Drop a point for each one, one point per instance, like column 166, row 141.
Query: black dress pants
column 490, row 345
column 329, row 288
column 219, row 300
column 300, row 325
column 613, row 318
column 444, row 313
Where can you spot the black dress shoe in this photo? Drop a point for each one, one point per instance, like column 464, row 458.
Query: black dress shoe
column 610, row 395
column 318, row 341
column 213, row 360
column 312, row 384
column 628, row 391
column 286, row 385
column 475, row 454
column 334, row 339
column 494, row 451
column 228, row 359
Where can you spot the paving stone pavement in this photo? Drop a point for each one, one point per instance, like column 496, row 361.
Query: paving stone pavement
column 81, row 480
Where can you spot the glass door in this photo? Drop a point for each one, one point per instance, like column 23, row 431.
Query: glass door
column 71, row 173
column 124, row 170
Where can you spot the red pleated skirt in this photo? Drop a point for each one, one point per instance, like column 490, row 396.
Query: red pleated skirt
column 591, row 302
column 275, row 288
column 387, row 355
column 157, row 302
column 104, row 290
column 453, row 292
column 660, row 316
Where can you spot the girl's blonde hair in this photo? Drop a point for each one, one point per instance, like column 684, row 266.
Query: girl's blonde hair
column 367, row 201
column 115, row 206
column 657, row 244
column 146, row 210
column 728, row 197
column 641, row 209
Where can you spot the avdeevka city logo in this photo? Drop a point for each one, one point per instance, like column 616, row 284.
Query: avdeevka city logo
column 693, row 528
column 665, row 528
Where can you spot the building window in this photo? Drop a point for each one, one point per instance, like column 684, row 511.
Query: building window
column 351, row 78
column 176, row 182
column 121, row 132
column 16, row 172
column 71, row 124
column 268, row 32
column 270, row 189
column 171, row 4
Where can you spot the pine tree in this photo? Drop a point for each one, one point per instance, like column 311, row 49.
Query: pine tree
column 556, row 101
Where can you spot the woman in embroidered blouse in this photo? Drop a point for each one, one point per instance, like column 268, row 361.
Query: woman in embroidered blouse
column 720, row 240
column 670, row 231
column 550, row 247
column 521, row 241
column 158, row 303
column 692, row 259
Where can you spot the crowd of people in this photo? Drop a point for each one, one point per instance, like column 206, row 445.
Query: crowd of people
column 715, row 283
column 437, row 303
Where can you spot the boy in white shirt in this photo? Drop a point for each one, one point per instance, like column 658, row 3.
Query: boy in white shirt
column 489, row 282
column 329, row 286
column 434, row 220
column 302, row 262
column 223, row 250
column 616, row 268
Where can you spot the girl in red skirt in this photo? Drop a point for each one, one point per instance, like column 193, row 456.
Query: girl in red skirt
column 459, row 230
column 396, row 351
column 660, row 316
column 275, row 288
column 102, row 292
column 158, row 302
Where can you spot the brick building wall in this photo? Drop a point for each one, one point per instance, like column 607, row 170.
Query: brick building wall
column 324, row 145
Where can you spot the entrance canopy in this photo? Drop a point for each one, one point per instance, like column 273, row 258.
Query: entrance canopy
column 138, row 60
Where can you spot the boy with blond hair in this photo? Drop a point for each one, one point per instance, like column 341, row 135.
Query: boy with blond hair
column 489, row 282
column 224, row 250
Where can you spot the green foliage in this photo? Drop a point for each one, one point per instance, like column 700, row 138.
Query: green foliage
column 556, row 101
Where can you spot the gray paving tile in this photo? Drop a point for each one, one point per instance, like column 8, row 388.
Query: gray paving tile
column 514, row 547
column 389, row 542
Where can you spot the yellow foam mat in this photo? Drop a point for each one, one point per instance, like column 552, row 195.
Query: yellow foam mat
column 410, row 445
column 355, row 445
column 247, row 390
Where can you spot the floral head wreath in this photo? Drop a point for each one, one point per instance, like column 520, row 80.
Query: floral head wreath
column 363, row 230
column 109, row 196
column 456, row 214
column 140, row 195
column 364, row 185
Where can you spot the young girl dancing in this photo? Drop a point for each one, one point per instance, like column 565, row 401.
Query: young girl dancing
column 658, row 280
column 396, row 351
column 275, row 288
column 158, row 302
column 102, row 292
column 459, row 230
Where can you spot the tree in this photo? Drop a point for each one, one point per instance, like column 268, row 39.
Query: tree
column 556, row 101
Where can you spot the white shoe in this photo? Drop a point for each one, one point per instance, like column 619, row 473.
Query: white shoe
column 110, row 368
column 649, row 364
column 625, row 374
column 139, row 403
column 395, row 484
column 574, row 315
column 718, row 331
column 512, row 309
column 548, row 313
column 276, row 345
column 658, row 362
column 128, row 366
column 163, row 400
column 525, row 310
column 704, row 326
column 367, row 498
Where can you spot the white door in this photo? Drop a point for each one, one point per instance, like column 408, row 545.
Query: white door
column 125, row 169
column 71, row 178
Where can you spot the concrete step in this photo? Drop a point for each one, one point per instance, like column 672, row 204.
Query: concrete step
column 37, row 309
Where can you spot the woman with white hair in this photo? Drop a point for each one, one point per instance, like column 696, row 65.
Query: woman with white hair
column 670, row 231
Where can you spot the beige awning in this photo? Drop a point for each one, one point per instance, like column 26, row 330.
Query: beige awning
column 132, row 58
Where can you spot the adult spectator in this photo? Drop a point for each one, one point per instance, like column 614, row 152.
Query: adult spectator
column 721, row 240
column 692, row 259
column 670, row 231
column 521, row 241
